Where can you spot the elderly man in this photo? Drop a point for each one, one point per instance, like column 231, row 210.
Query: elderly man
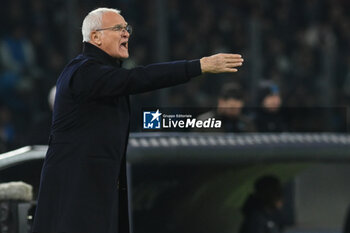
column 83, row 183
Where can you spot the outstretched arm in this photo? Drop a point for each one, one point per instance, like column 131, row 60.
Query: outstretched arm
column 96, row 80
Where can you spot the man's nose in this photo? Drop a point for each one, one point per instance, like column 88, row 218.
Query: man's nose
column 125, row 33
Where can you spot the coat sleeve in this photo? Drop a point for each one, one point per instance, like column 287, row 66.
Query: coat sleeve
column 94, row 80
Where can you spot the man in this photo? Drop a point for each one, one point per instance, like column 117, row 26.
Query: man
column 270, row 117
column 83, row 183
column 229, row 110
column 261, row 210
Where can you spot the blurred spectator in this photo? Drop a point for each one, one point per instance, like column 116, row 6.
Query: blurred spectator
column 17, row 53
column 229, row 110
column 17, row 80
column 261, row 209
column 269, row 115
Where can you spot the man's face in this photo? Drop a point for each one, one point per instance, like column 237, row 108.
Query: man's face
column 230, row 107
column 115, row 43
column 279, row 204
column 272, row 103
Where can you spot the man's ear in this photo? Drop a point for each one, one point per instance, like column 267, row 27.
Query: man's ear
column 95, row 37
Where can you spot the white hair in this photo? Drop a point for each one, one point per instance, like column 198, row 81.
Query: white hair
column 93, row 21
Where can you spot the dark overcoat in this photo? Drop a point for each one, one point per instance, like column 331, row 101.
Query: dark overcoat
column 83, row 181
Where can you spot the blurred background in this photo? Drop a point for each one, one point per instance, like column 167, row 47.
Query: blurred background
column 295, row 51
column 302, row 47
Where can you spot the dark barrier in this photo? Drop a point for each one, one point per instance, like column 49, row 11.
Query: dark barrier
column 217, row 148
column 197, row 182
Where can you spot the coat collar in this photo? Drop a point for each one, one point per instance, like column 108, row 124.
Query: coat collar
column 91, row 50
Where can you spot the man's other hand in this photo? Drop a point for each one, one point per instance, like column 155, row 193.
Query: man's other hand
column 221, row 63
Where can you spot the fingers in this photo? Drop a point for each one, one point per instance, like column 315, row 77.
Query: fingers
column 234, row 60
column 230, row 70
column 231, row 56
column 233, row 65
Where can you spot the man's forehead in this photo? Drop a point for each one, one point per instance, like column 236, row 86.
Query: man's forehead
column 112, row 18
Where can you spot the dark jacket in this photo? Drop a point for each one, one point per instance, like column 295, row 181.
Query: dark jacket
column 83, row 182
column 257, row 219
column 347, row 221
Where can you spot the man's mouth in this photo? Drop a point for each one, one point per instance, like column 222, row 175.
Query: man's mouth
column 124, row 45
